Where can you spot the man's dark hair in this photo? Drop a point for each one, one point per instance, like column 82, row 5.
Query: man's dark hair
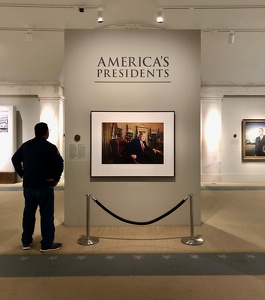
column 40, row 129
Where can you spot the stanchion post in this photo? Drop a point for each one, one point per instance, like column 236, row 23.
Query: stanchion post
column 192, row 240
column 87, row 240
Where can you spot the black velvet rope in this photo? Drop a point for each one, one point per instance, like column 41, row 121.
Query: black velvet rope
column 141, row 223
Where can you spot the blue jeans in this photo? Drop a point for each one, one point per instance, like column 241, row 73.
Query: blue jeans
column 44, row 198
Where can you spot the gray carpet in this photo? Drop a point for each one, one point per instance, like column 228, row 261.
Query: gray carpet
column 171, row 264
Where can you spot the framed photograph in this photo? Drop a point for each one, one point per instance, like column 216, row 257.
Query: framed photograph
column 253, row 140
column 3, row 121
column 135, row 143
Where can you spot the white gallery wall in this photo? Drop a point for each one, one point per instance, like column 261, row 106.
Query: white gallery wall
column 33, row 103
column 23, row 115
column 234, row 110
column 86, row 90
column 27, row 115
column 221, row 123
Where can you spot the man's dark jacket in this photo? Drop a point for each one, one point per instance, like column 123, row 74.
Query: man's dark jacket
column 38, row 161
column 143, row 157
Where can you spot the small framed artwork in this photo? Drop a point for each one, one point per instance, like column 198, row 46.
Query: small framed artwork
column 253, row 139
column 135, row 143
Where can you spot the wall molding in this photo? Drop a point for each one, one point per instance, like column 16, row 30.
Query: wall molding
column 220, row 91
column 28, row 88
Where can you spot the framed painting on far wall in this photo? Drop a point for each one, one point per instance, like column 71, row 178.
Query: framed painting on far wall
column 132, row 143
column 253, row 139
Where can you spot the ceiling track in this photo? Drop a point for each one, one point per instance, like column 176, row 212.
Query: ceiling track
column 232, row 30
column 50, row 6
column 31, row 29
column 67, row 6
column 130, row 26
column 213, row 7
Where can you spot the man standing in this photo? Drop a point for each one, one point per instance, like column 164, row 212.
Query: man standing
column 260, row 143
column 40, row 165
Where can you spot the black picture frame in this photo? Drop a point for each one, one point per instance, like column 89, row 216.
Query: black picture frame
column 109, row 127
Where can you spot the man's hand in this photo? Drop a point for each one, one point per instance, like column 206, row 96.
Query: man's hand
column 157, row 151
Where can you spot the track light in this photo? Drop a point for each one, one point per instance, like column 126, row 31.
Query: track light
column 159, row 18
column 29, row 36
column 231, row 38
column 100, row 17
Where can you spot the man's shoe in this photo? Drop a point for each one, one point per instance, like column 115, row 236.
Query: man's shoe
column 26, row 246
column 53, row 247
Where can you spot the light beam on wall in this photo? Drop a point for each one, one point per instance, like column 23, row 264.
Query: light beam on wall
column 213, row 130
column 48, row 115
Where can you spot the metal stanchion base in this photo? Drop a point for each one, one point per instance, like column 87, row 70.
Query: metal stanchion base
column 192, row 241
column 87, row 241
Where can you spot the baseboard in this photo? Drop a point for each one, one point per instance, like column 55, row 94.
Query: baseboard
column 7, row 177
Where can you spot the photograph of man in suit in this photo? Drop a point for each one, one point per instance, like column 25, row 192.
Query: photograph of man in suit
column 140, row 151
column 260, row 143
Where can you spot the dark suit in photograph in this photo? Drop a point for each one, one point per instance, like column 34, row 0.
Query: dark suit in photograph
column 260, row 143
column 144, row 155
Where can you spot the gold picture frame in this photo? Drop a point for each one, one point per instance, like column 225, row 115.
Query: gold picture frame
column 253, row 141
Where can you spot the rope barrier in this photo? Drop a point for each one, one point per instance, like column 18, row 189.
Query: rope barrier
column 141, row 223
column 88, row 240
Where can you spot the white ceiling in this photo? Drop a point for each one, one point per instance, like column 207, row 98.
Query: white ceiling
column 42, row 60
